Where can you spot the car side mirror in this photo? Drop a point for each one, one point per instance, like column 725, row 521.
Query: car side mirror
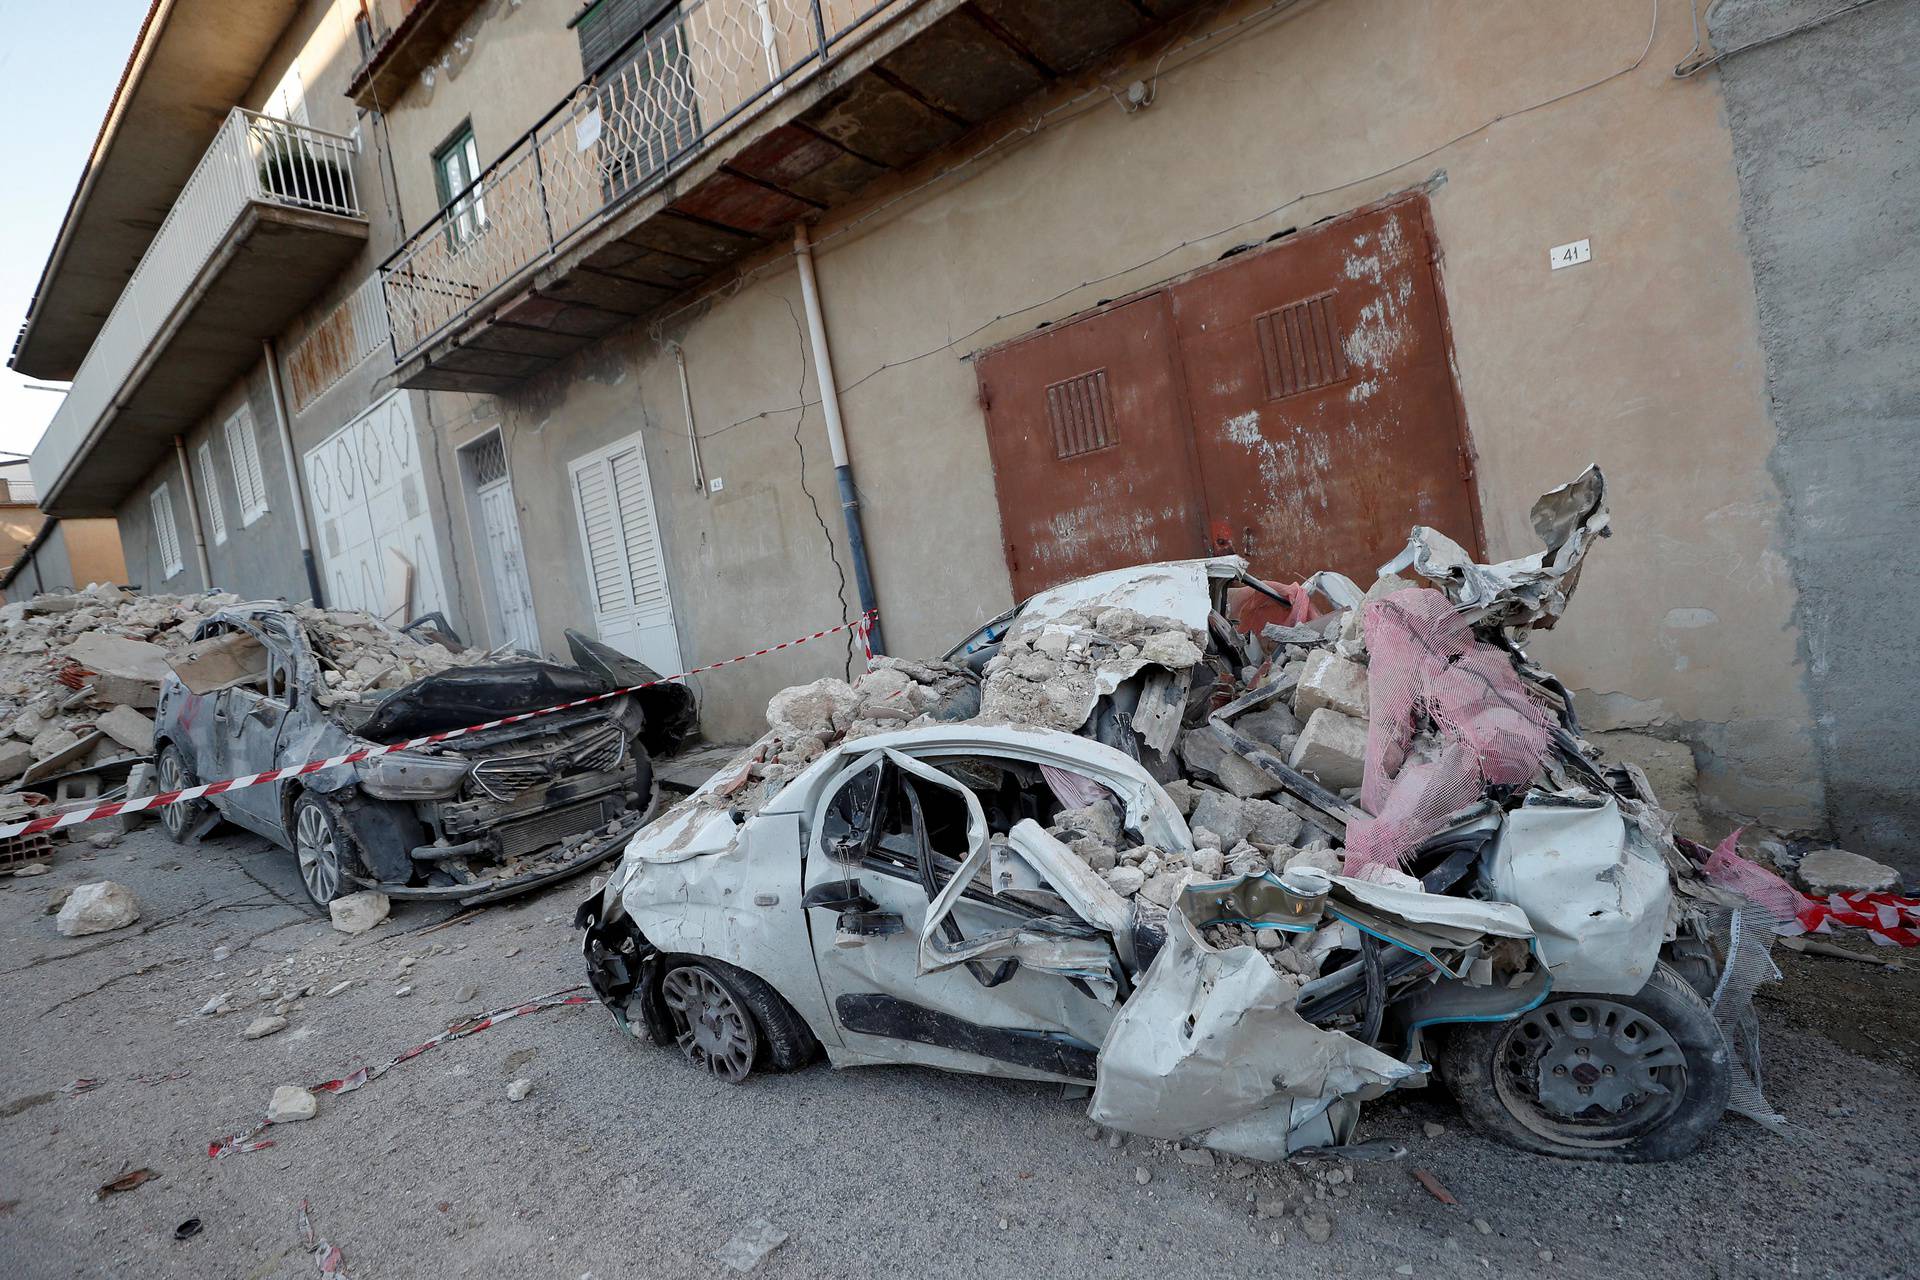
column 839, row 895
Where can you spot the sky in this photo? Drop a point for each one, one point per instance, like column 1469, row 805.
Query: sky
column 59, row 63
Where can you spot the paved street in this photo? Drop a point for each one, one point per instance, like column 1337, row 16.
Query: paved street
column 624, row 1162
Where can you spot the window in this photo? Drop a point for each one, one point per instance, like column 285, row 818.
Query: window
column 289, row 98
column 247, row 481
column 455, row 168
column 210, row 493
column 165, row 534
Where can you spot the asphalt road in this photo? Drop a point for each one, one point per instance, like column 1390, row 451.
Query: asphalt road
column 623, row 1161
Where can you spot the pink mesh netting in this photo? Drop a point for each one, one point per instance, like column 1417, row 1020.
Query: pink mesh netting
column 1787, row 905
column 1424, row 664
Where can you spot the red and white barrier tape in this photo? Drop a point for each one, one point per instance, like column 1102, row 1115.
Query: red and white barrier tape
column 185, row 795
column 251, row 1140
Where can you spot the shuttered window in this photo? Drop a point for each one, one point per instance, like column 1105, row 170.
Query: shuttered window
column 248, row 483
column 166, row 535
column 606, row 26
column 210, row 493
column 626, row 572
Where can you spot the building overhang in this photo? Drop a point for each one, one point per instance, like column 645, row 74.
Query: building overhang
column 193, row 60
column 411, row 47
column 268, row 269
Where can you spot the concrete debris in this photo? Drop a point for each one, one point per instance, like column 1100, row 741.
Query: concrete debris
column 1332, row 749
column 36, row 869
column 1330, row 681
column 749, row 1246
column 1828, row 871
column 1207, row 752
column 359, row 912
column 290, row 1102
column 97, row 908
column 262, row 1027
column 519, row 1089
column 1223, row 814
column 128, row 727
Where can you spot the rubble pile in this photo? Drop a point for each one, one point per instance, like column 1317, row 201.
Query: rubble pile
column 80, row 673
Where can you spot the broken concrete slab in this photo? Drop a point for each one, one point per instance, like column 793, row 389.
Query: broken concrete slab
column 124, row 670
column 1332, row 749
column 1331, row 681
column 97, row 908
column 1829, row 871
column 14, row 759
column 129, row 728
column 262, row 1027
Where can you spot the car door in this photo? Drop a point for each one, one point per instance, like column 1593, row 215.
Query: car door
column 868, row 908
column 249, row 721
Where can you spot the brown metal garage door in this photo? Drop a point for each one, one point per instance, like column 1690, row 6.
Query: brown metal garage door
column 1294, row 404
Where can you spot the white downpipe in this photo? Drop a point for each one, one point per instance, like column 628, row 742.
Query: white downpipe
column 686, row 407
column 817, row 338
column 293, row 470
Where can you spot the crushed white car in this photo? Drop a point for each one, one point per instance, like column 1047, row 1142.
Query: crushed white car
column 1013, row 862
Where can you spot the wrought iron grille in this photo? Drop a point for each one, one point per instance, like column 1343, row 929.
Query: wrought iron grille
column 619, row 134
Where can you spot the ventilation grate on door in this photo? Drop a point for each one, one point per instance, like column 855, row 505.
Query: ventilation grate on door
column 1080, row 414
column 487, row 461
column 1300, row 346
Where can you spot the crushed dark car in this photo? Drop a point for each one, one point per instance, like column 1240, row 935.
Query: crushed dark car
column 478, row 817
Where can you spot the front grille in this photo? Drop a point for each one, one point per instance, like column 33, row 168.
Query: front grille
column 504, row 777
column 555, row 825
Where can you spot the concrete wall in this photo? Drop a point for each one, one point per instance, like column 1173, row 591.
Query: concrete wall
column 1646, row 360
column 1826, row 129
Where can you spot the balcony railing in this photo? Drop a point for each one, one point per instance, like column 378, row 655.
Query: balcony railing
column 619, row 134
column 254, row 159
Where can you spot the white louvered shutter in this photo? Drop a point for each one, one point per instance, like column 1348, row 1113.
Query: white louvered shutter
column 248, row 482
column 165, row 533
column 210, row 493
column 626, row 572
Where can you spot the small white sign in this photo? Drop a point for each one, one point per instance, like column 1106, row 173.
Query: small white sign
column 1570, row 255
column 716, row 484
column 586, row 130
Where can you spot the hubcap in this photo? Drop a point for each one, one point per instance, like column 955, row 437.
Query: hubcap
column 1589, row 1071
column 712, row 1030
column 319, row 855
column 173, row 777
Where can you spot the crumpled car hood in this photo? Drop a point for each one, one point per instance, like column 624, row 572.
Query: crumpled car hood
column 462, row 696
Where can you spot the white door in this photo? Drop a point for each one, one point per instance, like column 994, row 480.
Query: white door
column 510, row 586
column 369, row 497
column 626, row 573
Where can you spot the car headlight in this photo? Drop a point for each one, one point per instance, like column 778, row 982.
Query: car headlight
column 408, row 775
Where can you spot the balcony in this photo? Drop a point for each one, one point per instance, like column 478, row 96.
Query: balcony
column 268, row 218
column 706, row 142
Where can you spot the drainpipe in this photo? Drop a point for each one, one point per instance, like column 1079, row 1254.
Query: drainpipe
column 686, row 407
column 193, row 514
column 836, row 431
column 293, row 474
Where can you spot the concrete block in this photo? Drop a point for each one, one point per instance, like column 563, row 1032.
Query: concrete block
column 1272, row 824
column 1332, row 681
column 14, row 759
column 1222, row 814
column 129, row 728
column 1206, row 753
column 1332, row 749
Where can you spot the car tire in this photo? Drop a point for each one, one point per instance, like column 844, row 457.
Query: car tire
column 322, row 849
column 729, row 1022
column 1663, row 1035
column 174, row 772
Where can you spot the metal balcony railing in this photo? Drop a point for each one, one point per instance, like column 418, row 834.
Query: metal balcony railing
column 621, row 133
column 254, row 159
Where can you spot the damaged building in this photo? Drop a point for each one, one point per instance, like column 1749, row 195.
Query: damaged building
column 615, row 316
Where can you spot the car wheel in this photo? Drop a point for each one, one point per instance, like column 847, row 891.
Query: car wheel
column 321, row 847
column 175, row 774
column 727, row 1021
column 1615, row 1078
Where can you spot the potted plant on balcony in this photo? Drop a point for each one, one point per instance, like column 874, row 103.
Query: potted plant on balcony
column 291, row 173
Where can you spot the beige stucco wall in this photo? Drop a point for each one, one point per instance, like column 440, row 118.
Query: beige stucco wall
column 1644, row 360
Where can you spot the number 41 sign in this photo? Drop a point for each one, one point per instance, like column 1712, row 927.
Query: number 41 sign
column 1570, row 255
